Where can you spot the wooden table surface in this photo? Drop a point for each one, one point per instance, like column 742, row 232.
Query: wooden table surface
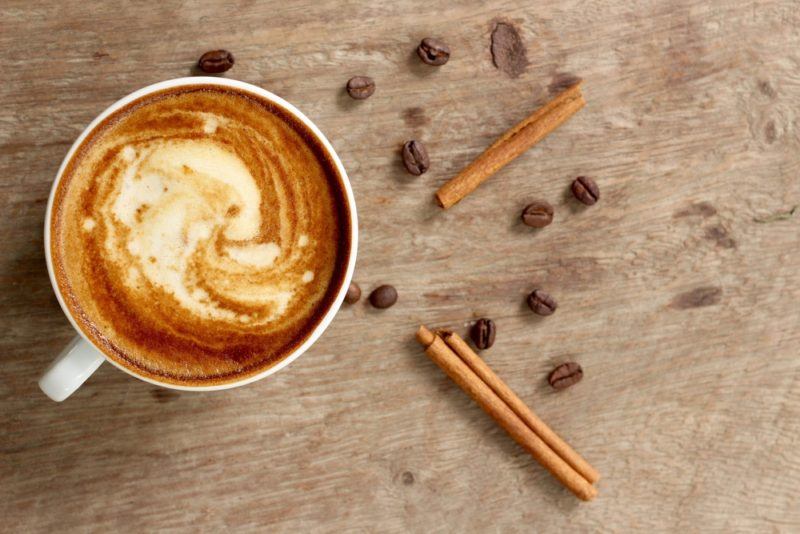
column 679, row 291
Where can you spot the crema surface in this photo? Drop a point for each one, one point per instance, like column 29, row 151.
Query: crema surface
column 200, row 234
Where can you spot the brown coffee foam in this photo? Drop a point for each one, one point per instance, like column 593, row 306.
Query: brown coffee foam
column 139, row 321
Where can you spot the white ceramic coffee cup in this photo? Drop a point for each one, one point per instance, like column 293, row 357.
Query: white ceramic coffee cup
column 81, row 357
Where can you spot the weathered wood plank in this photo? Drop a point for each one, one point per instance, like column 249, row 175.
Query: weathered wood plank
column 680, row 306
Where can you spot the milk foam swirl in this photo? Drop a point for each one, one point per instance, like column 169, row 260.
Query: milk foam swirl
column 205, row 223
column 185, row 215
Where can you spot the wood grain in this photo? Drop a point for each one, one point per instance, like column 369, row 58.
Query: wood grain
column 678, row 292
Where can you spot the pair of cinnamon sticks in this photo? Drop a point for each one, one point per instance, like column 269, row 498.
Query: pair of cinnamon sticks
column 471, row 373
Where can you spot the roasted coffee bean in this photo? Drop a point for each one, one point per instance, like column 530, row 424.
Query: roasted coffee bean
column 433, row 51
column 415, row 158
column 538, row 214
column 541, row 303
column 360, row 87
column 565, row 375
column 482, row 333
column 215, row 61
column 383, row 296
column 353, row 293
column 585, row 189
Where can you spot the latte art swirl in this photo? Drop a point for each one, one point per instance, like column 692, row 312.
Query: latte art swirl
column 184, row 217
column 201, row 235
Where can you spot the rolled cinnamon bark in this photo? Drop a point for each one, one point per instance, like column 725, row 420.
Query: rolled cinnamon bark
column 511, row 144
column 487, row 399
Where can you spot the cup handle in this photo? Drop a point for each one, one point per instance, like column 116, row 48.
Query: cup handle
column 70, row 369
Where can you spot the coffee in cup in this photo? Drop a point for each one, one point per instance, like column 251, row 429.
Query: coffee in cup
column 199, row 235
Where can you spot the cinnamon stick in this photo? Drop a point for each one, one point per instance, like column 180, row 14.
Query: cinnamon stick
column 511, row 144
column 539, row 427
column 493, row 405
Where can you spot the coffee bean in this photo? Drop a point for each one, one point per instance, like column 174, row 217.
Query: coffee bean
column 433, row 51
column 415, row 158
column 565, row 375
column 215, row 61
column 541, row 303
column 538, row 214
column 353, row 293
column 360, row 87
column 383, row 296
column 482, row 333
column 585, row 189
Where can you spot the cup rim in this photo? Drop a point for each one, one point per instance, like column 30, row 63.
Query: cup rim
column 260, row 92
